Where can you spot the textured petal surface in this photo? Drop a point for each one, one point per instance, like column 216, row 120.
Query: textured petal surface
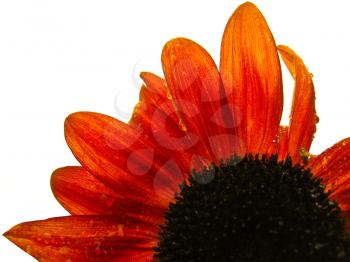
column 121, row 157
column 251, row 74
column 152, row 95
column 80, row 193
column 303, row 116
column 333, row 166
column 197, row 92
column 280, row 144
column 85, row 238
column 156, row 115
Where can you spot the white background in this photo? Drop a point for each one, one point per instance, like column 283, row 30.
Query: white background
column 58, row 57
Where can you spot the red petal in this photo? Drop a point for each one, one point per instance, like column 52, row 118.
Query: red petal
column 157, row 116
column 333, row 166
column 156, row 88
column 85, row 238
column 82, row 194
column 282, row 137
column 153, row 94
column 303, row 116
column 280, row 144
column 197, row 91
column 251, row 74
column 115, row 153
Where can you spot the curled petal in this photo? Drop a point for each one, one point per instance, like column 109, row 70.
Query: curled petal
column 333, row 166
column 251, row 74
column 85, row 238
column 303, row 116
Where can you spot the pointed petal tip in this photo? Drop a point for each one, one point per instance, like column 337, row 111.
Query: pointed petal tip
column 46, row 239
column 6, row 234
column 10, row 237
column 11, row 234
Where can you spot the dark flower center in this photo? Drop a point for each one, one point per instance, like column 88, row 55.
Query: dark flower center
column 253, row 209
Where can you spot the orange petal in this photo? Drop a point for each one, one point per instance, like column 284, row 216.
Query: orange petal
column 85, row 238
column 333, row 166
column 152, row 94
column 156, row 88
column 251, row 74
column 280, row 144
column 156, row 115
column 119, row 156
column 197, row 91
column 282, row 137
column 80, row 193
column 303, row 116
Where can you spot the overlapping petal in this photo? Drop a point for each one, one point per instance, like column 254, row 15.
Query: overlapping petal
column 120, row 156
column 198, row 94
column 156, row 114
column 80, row 193
column 86, row 238
column 197, row 115
column 251, row 74
column 303, row 118
column 152, row 95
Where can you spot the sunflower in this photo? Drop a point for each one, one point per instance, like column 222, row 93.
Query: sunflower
column 203, row 171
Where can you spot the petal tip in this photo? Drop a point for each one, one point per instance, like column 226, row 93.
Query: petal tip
column 76, row 118
column 11, row 234
column 175, row 43
column 6, row 234
column 71, row 118
column 53, row 178
column 247, row 7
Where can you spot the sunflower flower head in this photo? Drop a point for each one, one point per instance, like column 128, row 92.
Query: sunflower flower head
column 203, row 171
column 253, row 208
